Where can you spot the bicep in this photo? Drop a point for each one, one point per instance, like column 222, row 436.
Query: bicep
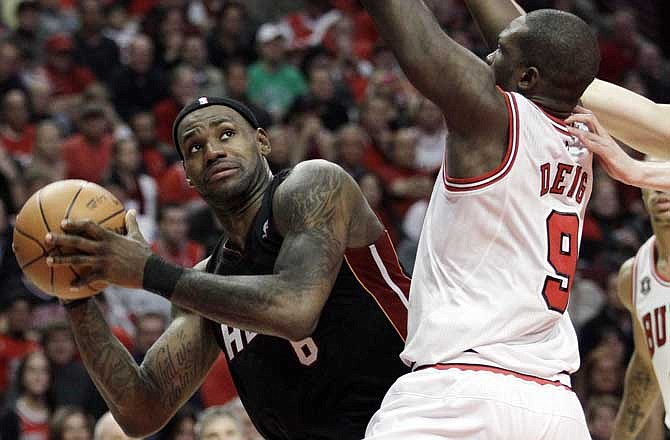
column 180, row 359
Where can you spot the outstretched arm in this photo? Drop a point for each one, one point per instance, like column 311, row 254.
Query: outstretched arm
column 640, row 387
column 632, row 118
column 618, row 164
column 172, row 369
column 451, row 76
column 493, row 16
column 313, row 210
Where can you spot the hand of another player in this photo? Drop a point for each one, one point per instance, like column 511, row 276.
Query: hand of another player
column 106, row 256
column 614, row 160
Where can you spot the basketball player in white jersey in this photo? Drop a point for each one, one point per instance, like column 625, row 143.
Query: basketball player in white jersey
column 489, row 339
column 644, row 288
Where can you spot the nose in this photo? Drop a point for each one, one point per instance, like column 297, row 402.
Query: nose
column 214, row 151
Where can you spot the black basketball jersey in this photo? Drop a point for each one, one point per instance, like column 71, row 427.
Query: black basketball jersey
column 329, row 385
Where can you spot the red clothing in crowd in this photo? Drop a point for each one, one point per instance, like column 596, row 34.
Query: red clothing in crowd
column 11, row 352
column 154, row 162
column 218, row 387
column 173, row 188
column 165, row 113
column 86, row 161
column 21, row 145
column 389, row 174
column 69, row 83
column 188, row 255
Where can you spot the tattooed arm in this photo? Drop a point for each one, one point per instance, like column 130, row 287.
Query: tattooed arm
column 640, row 387
column 314, row 208
column 143, row 398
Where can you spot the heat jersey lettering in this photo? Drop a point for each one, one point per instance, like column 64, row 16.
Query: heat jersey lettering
column 563, row 179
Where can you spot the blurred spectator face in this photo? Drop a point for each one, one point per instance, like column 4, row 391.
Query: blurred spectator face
column 375, row 117
column 221, row 428
column 90, row 14
column 40, row 97
column 48, row 141
column 321, row 85
column 625, row 25
column 351, row 144
column 27, row 18
column 15, row 109
column 173, row 22
column 9, row 60
column 273, row 50
column 606, row 375
column 232, row 19
column 35, row 378
column 149, row 328
column 372, row 189
column 173, row 225
column 186, row 430
column 144, row 128
column 429, row 117
column 404, row 147
column 117, row 16
column 60, row 347
column 141, row 54
column 75, row 427
column 601, row 414
column 194, row 51
column 236, row 80
column 184, row 88
column 279, row 138
column 93, row 127
column 18, row 317
column 128, row 157
column 605, row 199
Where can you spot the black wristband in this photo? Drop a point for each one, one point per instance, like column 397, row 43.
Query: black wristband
column 74, row 303
column 160, row 277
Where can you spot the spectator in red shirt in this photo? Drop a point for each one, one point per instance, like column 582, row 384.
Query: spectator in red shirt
column 173, row 243
column 67, row 80
column 173, row 187
column 157, row 156
column 14, row 344
column 183, row 90
column 88, row 154
column 17, row 134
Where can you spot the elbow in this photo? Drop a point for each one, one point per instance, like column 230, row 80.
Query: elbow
column 299, row 327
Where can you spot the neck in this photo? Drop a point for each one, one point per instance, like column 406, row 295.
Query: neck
column 662, row 234
column 236, row 216
column 33, row 402
column 552, row 106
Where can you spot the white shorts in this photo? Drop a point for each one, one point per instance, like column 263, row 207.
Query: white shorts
column 454, row 403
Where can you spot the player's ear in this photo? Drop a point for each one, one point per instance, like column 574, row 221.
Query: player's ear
column 529, row 79
column 188, row 179
column 263, row 142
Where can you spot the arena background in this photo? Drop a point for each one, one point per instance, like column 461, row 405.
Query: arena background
column 89, row 89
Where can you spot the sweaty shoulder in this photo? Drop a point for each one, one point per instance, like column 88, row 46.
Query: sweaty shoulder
column 318, row 194
column 625, row 284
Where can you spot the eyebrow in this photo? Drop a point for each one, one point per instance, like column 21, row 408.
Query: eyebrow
column 189, row 132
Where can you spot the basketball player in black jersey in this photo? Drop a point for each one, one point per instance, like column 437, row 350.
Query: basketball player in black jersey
column 304, row 292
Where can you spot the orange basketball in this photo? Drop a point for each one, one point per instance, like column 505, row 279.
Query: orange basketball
column 43, row 213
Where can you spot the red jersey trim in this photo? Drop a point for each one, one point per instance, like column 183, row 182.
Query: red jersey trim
column 658, row 275
column 475, row 367
column 558, row 123
column 474, row 183
column 378, row 271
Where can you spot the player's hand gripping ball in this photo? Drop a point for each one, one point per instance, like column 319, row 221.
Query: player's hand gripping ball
column 43, row 213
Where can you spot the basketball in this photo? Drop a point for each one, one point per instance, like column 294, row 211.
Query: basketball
column 43, row 213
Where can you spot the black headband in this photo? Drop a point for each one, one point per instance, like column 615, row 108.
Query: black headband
column 206, row 101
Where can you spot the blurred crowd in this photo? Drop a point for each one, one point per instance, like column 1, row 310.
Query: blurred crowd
column 89, row 90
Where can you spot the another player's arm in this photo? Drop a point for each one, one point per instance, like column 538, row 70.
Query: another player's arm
column 454, row 78
column 632, row 118
column 493, row 16
column 617, row 163
column 144, row 397
column 313, row 210
column 640, row 387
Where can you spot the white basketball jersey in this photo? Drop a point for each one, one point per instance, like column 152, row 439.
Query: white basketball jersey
column 497, row 255
column 651, row 296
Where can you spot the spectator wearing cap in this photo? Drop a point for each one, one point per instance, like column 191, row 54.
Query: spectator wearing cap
column 274, row 83
column 92, row 48
column 17, row 134
column 88, row 153
column 67, row 80
column 139, row 85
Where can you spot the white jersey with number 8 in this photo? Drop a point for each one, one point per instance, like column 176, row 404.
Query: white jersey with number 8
column 498, row 253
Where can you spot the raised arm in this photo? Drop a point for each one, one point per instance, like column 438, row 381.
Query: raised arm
column 618, row 164
column 171, row 372
column 632, row 118
column 640, row 387
column 492, row 16
column 451, row 76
